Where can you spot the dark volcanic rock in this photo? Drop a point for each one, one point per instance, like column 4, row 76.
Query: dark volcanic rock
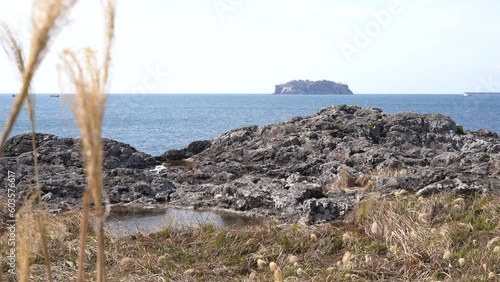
column 126, row 170
column 175, row 155
column 196, row 147
column 295, row 170
column 192, row 149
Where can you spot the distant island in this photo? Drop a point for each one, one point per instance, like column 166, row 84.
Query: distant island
column 312, row 87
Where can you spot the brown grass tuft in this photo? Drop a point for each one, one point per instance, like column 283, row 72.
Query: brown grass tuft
column 348, row 180
column 403, row 248
column 450, row 233
column 364, row 181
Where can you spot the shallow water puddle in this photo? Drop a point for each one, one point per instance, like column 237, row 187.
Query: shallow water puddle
column 127, row 222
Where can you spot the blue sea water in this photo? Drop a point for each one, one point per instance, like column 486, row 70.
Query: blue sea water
column 155, row 123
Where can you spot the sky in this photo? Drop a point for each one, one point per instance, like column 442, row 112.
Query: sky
column 248, row 46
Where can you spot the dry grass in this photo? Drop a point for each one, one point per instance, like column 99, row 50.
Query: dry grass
column 90, row 81
column 429, row 236
column 403, row 239
column 364, row 181
column 349, row 180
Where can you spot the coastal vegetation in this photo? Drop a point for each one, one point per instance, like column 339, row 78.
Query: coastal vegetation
column 438, row 238
column 460, row 130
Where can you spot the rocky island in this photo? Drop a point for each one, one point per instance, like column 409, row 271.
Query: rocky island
column 310, row 169
column 312, row 87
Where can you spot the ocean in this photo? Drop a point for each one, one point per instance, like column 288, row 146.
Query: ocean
column 156, row 123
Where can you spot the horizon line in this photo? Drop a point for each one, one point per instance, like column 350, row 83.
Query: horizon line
column 249, row 93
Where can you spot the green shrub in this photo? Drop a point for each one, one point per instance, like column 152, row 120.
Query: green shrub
column 460, row 130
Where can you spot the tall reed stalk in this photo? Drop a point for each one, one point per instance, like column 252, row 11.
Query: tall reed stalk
column 47, row 17
column 90, row 82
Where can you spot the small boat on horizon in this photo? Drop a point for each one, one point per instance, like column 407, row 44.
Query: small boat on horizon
column 54, row 95
column 468, row 94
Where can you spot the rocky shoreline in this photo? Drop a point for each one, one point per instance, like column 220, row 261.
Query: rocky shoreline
column 310, row 169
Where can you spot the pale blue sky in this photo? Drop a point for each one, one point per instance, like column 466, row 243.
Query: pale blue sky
column 248, row 46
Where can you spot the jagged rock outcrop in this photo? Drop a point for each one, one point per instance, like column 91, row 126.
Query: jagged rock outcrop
column 312, row 169
column 127, row 178
column 192, row 149
column 312, row 87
